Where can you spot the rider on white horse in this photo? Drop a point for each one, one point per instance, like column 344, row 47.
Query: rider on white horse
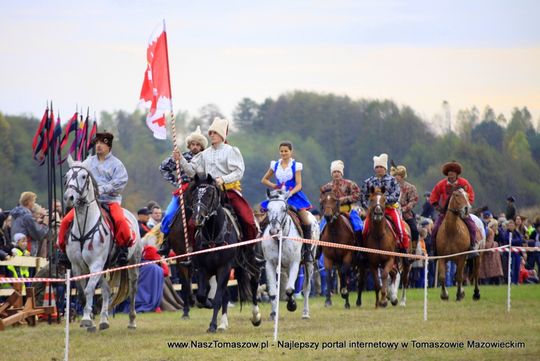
column 348, row 193
column 288, row 174
column 111, row 177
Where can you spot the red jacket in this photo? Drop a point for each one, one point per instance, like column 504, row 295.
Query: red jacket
column 442, row 191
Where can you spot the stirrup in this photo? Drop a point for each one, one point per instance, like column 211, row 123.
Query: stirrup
column 164, row 249
column 186, row 262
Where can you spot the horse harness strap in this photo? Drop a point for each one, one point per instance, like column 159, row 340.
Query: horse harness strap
column 296, row 221
column 234, row 222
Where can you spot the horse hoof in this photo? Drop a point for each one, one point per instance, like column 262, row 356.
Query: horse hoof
column 185, row 317
column 257, row 322
column 272, row 316
column 358, row 303
column 211, row 329
column 383, row 304
column 305, row 316
column 347, row 306
column 327, row 303
column 402, row 304
column 132, row 327
column 91, row 329
column 291, row 305
column 444, row 297
column 394, row 302
column 222, row 328
column 476, row 296
column 86, row 323
column 103, row 326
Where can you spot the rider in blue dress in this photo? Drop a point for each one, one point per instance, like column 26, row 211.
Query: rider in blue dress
column 288, row 174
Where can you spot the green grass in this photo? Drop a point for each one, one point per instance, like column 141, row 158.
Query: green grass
column 486, row 320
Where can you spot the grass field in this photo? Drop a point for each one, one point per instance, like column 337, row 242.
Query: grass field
column 448, row 322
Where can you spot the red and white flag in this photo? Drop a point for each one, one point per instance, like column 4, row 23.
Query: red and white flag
column 156, row 88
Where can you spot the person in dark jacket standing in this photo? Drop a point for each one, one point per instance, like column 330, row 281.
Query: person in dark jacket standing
column 510, row 208
column 23, row 222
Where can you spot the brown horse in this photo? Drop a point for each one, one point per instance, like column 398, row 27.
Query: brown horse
column 453, row 237
column 338, row 229
column 381, row 237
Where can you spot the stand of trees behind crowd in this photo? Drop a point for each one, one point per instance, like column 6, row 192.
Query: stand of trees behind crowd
column 500, row 156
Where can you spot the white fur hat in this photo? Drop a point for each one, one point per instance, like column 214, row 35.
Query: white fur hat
column 381, row 160
column 197, row 136
column 220, row 126
column 337, row 165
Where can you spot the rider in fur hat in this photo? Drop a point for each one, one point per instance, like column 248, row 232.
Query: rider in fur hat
column 408, row 199
column 440, row 195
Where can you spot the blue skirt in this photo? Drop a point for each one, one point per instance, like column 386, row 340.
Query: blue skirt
column 298, row 201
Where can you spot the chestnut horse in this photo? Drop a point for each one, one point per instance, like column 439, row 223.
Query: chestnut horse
column 339, row 230
column 453, row 237
column 380, row 236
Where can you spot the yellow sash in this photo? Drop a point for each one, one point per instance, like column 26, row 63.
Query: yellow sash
column 234, row 185
column 345, row 208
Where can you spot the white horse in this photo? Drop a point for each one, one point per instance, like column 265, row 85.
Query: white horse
column 90, row 245
column 281, row 222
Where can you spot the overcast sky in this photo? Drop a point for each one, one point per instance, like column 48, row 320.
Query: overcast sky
column 417, row 53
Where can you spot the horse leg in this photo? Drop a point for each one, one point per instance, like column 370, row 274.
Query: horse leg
column 294, row 269
column 133, row 277
column 224, row 322
column 384, row 280
column 377, row 282
column 255, row 312
column 202, row 280
column 104, row 315
column 272, row 287
column 405, row 281
column 222, row 275
column 328, row 265
column 186, row 292
column 89, row 292
column 460, row 269
column 393, row 285
column 476, row 267
column 307, row 288
column 361, row 279
column 344, row 283
column 442, row 279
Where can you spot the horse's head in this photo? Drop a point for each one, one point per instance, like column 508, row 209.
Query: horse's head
column 377, row 203
column 459, row 203
column 205, row 199
column 277, row 210
column 330, row 206
column 80, row 185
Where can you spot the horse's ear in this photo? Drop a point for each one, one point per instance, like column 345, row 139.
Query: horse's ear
column 70, row 161
column 197, row 179
column 209, row 178
column 383, row 189
column 267, row 193
column 371, row 189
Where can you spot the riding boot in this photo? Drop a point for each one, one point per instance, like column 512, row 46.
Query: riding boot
column 358, row 238
column 258, row 255
column 122, row 258
column 63, row 260
column 307, row 256
column 165, row 248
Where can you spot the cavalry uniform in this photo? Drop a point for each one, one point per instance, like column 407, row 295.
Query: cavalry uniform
column 392, row 192
column 111, row 177
column 408, row 199
column 225, row 161
column 348, row 193
column 441, row 193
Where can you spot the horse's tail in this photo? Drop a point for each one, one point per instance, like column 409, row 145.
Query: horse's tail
column 244, row 284
column 119, row 282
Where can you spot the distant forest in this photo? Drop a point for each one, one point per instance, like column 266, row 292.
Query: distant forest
column 500, row 156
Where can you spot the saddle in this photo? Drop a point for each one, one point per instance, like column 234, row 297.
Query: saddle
column 296, row 221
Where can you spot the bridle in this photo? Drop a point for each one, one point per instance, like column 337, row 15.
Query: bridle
column 284, row 222
column 335, row 211
column 209, row 210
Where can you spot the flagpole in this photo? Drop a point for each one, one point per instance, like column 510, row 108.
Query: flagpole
column 85, row 142
column 175, row 146
column 50, row 194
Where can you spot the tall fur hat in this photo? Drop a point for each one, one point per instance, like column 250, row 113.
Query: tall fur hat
column 220, row 126
column 399, row 170
column 337, row 165
column 452, row 166
column 197, row 136
column 381, row 160
column 106, row 138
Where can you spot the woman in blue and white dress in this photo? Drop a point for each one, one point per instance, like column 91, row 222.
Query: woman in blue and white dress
column 288, row 174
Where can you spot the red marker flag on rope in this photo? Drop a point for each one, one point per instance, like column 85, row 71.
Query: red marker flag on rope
column 156, row 88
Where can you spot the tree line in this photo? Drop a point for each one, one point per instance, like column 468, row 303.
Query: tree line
column 500, row 156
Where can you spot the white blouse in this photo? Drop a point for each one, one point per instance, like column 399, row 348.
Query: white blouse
column 284, row 174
